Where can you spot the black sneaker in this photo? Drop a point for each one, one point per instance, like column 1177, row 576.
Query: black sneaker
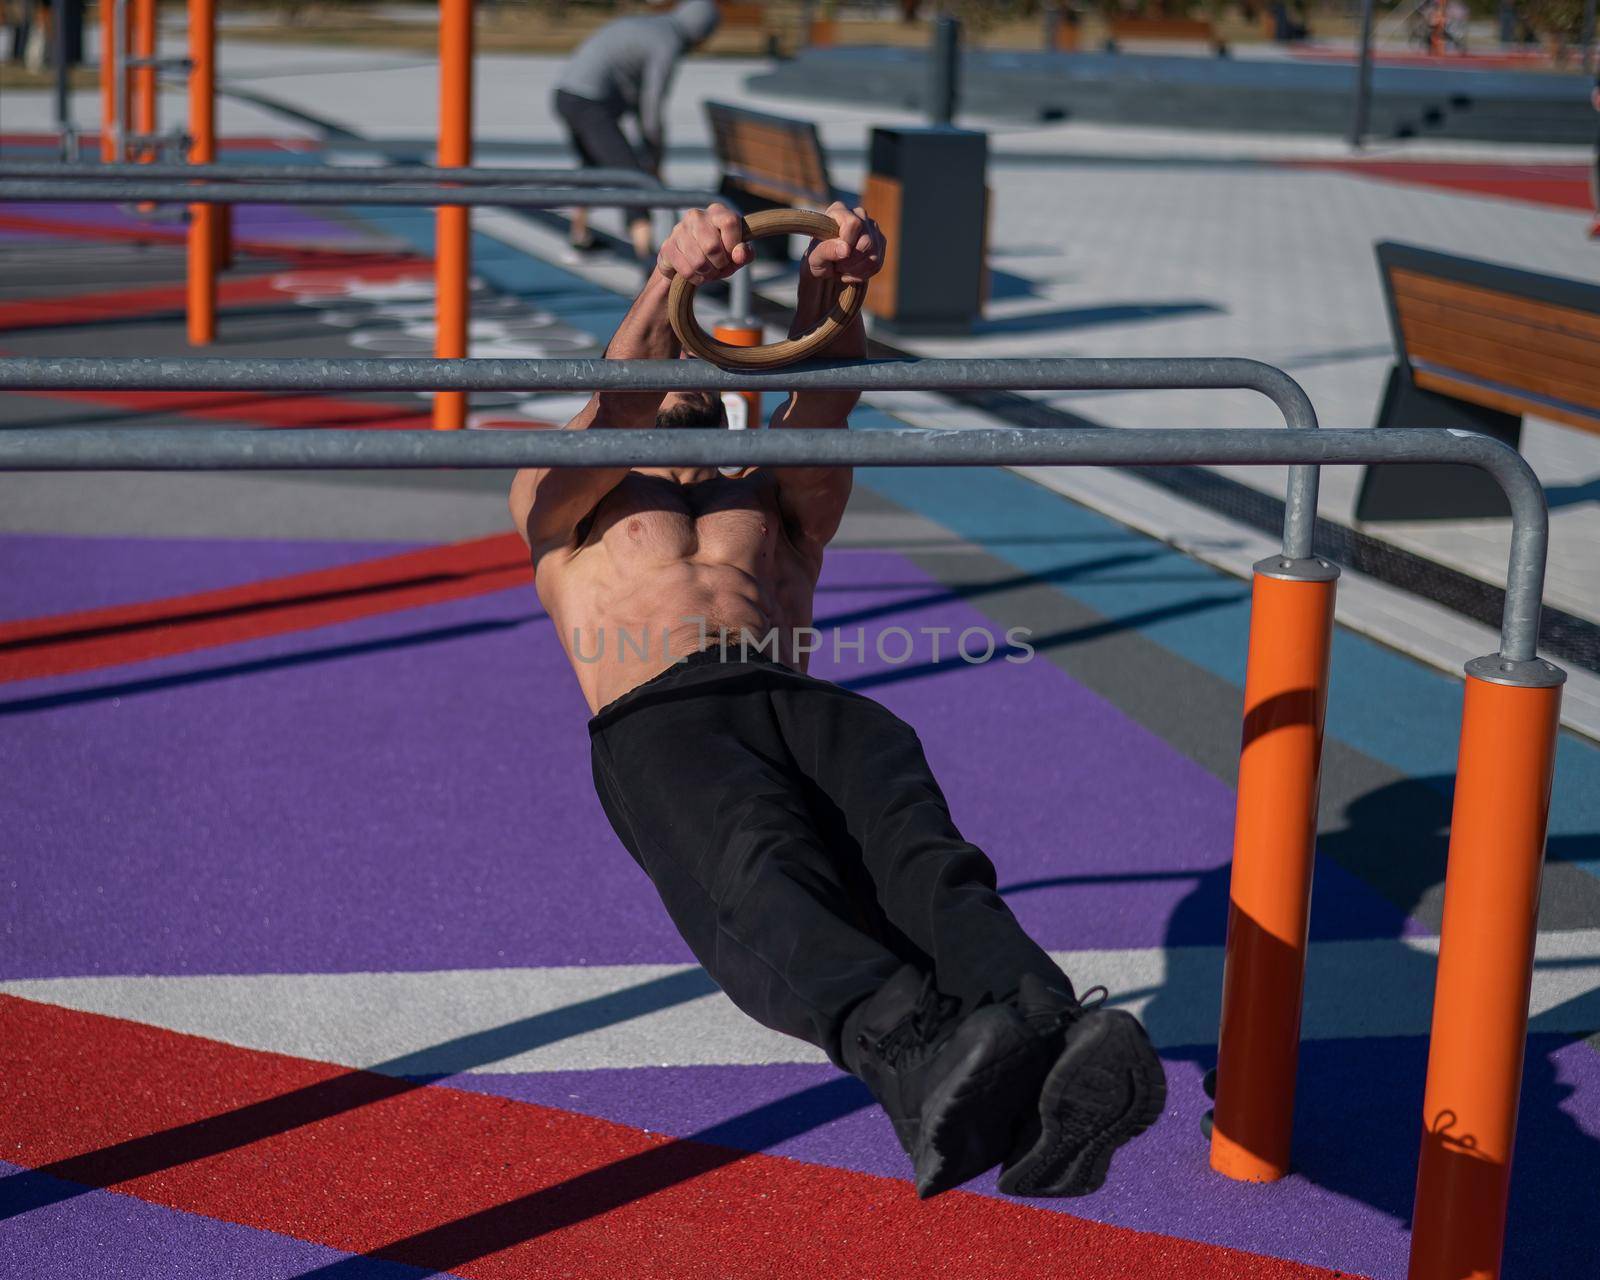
column 955, row 1088
column 1105, row 1089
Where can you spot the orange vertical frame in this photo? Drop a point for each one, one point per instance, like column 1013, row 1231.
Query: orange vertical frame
column 1480, row 1004
column 453, row 223
column 144, row 46
column 737, row 334
column 110, row 69
column 204, row 230
column 1285, row 702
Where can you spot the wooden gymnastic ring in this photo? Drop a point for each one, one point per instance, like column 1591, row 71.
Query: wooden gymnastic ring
column 772, row 355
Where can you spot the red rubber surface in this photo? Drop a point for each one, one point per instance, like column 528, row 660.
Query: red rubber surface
column 487, row 1187
column 154, row 301
column 1560, row 186
column 94, row 638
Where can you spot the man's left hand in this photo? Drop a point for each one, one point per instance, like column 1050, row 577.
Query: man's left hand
column 856, row 255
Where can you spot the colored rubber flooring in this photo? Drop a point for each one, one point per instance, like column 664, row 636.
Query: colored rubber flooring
column 321, row 961
column 1559, row 186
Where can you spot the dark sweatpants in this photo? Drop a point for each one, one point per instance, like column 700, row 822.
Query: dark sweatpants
column 800, row 843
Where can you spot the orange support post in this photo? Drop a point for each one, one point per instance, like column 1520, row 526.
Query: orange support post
column 453, row 224
column 110, row 68
column 744, row 407
column 203, row 228
column 1480, row 1004
column 1280, row 761
column 144, row 79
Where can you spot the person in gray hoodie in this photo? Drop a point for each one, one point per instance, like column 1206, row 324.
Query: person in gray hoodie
column 625, row 69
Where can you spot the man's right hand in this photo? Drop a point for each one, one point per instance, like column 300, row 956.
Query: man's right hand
column 708, row 244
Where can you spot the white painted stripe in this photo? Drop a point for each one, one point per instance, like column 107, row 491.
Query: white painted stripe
column 579, row 1018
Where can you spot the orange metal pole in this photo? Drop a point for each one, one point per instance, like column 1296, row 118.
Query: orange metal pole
column 453, row 224
column 144, row 79
column 110, row 69
column 1280, row 760
column 203, row 230
column 747, row 403
column 1480, row 1002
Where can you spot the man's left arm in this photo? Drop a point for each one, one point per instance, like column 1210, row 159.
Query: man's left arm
column 813, row 498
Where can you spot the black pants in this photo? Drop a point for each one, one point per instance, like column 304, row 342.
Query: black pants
column 800, row 843
column 596, row 132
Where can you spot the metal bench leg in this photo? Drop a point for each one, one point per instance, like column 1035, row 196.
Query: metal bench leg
column 1433, row 491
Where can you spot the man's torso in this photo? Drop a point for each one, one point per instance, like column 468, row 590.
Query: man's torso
column 661, row 569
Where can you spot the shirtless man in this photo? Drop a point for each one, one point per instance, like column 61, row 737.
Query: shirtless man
column 792, row 827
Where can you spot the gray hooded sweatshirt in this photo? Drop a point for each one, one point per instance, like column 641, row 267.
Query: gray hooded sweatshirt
column 628, row 64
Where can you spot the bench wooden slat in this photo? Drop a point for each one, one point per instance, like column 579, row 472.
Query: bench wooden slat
column 1504, row 401
column 1544, row 315
column 743, row 15
column 1514, row 366
column 771, row 157
column 1513, row 335
column 1508, row 378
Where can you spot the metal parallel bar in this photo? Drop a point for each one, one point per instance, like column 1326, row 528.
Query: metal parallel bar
column 45, row 373
column 153, row 140
column 118, row 190
column 1044, row 374
column 127, row 448
column 160, row 64
column 404, row 173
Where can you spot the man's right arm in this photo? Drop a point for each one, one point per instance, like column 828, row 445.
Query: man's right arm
column 548, row 503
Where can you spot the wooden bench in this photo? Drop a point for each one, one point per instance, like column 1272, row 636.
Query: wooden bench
column 769, row 162
column 1200, row 30
column 1477, row 346
column 748, row 21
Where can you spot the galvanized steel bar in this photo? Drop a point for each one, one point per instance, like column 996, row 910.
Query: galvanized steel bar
column 45, row 373
column 185, row 448
column 1046, row 374
column 404, row 173
column 1043, row 374
column 120, row 190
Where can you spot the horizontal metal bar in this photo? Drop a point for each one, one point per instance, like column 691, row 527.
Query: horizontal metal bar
column 1056, row 373
column 159, row 64
column 1046, row 374
column 118, row 190
column 413, row 173
column 197, row 448
column 185, row 448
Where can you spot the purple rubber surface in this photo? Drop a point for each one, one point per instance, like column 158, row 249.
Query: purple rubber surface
column 47, row 573
column 1346, row 1206
column 412, row 791
column 96, row 1235
column 264, row 223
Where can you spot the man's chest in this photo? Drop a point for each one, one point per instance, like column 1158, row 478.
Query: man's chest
column 729, row 520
